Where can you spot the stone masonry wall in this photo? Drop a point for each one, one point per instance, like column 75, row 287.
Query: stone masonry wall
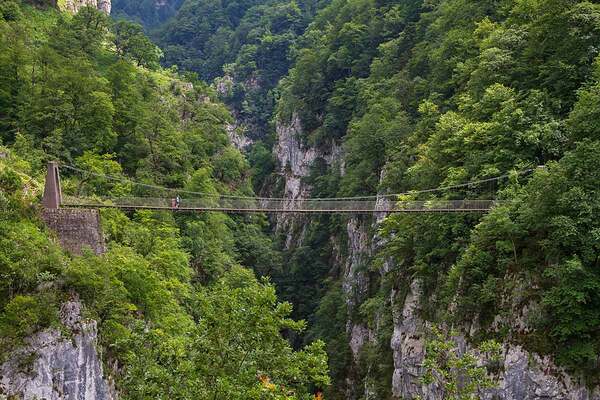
column 76, row 229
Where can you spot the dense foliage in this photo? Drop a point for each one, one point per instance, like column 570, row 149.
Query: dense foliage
column 176, row 311
column 418, row 94
column 206, row 35
column 435, row 94
column 245, row 47
column 421, row 95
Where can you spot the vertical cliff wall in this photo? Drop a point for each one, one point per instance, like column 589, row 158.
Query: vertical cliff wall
column 523, row 375
column 352, row 248
column 295, row 160
column 65, row 363
column 55, row 365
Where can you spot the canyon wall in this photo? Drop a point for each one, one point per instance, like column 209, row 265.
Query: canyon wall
column 523, row 376
column 62, row 363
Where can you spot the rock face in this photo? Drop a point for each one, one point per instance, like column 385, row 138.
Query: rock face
column 54, row 367
column 525, row 375
column 295, row 160
column 237, row 138
column 407, row 346
column 246, row 128
column 73, row 6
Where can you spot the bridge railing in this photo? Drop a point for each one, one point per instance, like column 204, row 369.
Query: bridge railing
column 283, row 205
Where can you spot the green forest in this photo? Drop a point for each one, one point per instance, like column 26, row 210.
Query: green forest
column 175, row 307
column 408, row 95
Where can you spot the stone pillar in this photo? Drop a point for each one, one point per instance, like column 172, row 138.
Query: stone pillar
column 52, row 193
column 75, row 228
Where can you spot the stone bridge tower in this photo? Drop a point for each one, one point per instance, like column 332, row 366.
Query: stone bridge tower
column 52, row 192
column 75, row 228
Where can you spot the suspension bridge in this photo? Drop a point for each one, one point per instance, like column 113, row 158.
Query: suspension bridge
column 53, row 199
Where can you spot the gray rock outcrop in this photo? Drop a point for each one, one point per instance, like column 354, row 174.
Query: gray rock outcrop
column 295, row 160
column 524, row 375
column 73, row 6
column 54, row 367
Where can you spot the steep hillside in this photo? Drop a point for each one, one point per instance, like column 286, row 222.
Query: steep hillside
column 244, row 48
column 387, row 97
column 204, row 35
column 393, row 100
column 168, row 311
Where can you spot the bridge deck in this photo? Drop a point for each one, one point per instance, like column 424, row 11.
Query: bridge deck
column 265, row 205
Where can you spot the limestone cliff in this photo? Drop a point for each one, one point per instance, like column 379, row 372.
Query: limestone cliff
column 62, row 364
column 58, row 366
column 523, row 376
column 243, row 131
column 236, row 131
column 73, row 6
column 295, row 160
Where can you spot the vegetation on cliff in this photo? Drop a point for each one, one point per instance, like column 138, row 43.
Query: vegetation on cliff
column 244, row 48
column 435, row 94
column 418, row 94
column 149, row 13
column 178, row 315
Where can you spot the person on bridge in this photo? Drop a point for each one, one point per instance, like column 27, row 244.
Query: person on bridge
column 177, row 201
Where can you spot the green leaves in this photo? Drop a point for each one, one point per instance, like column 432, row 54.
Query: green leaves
column 238, row 337
column 91, row 182
column 547, row 236
column 22, row 317
column 460, row 375
column 175, row 311
column 131, row 42
column 371, row 141
column 453, row 92
column 573, row 304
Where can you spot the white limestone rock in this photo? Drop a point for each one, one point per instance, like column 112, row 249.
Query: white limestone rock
column 54, row 367
column 295, row 160
column 73, row 6
column 525, row 375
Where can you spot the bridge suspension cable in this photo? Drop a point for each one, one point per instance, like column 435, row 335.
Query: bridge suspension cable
column 371, row 197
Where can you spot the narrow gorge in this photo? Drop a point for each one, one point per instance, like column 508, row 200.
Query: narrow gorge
column 355, row 252
column 171, row 102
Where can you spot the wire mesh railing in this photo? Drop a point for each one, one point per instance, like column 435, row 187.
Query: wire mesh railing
column 152, row 188
column 281, row 205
